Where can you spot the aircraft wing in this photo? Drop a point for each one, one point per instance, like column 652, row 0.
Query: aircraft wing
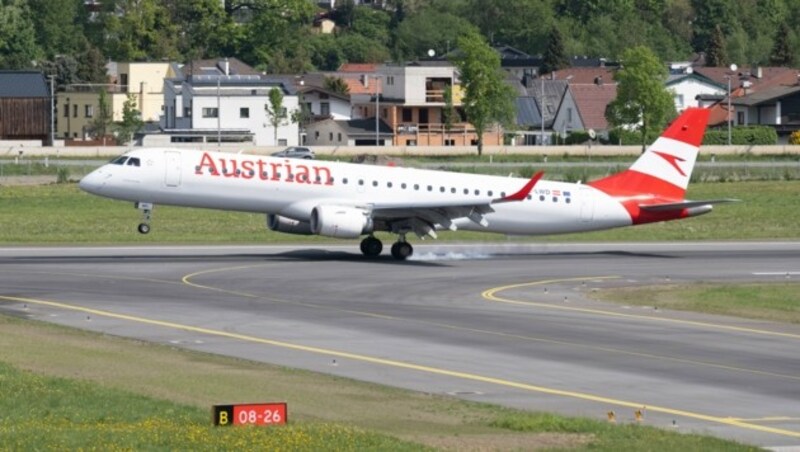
column 420, row 216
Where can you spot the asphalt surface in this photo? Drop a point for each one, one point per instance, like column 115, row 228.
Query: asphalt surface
column 509, row 324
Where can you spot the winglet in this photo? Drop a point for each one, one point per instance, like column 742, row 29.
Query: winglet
column 523, row 192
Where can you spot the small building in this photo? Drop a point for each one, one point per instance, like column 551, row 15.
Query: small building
column 226, row 100
column 25, row 106
column 353, row 132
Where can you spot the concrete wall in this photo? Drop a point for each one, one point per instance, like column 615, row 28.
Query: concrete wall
column 11, row 149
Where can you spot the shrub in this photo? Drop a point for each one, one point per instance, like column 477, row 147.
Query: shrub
column 62, row 176
column 630, row 137
column 794, row 138
column 577, row 137
column 748, row 135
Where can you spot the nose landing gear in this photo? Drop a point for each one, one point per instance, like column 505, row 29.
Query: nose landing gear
column 147, row 214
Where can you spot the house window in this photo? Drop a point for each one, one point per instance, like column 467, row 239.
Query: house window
column 209, row 112
column 187, row 112
column 316, row 135
column 411, row 142
column 282, row 142
column 89, row 111
column 74, row 110
column 679, row 101
column 244, row 112
column 66, row 110
column 325, row 108
column 407, row 115
column 330, row 137
column 450, row 142
column 339, row 137
column 569, row 115
column 740, row 118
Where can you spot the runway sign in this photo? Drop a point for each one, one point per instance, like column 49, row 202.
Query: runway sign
column 250, row 414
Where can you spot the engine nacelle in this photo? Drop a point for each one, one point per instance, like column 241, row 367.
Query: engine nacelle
column 340, row 221
column 278, row 223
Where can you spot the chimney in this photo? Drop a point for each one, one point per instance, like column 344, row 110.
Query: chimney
column 598, row 80
column 227, row 67
column 365, row 80
column 759, row 72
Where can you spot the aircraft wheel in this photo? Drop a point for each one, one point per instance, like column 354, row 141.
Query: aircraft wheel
column 402, row 250
column 144, row 228
column 371, row 246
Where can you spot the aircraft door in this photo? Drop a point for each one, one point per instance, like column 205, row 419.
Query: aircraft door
column 587, row 204
column 172, row 168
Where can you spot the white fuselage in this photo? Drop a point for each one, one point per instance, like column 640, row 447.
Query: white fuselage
column 292, row 188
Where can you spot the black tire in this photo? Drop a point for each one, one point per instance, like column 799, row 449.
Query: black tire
column 402, row 250
column 371, row 246
column 143, row 228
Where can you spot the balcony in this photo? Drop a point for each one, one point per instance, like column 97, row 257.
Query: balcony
column 407, row 128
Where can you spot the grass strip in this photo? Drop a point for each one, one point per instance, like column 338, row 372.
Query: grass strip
column 68, row 389
column 62, row 214
column 778, row 302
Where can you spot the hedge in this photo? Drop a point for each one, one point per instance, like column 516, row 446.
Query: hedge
column 742, row 135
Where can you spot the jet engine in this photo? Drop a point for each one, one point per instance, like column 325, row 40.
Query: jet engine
column 340, row 221
column 278, row 223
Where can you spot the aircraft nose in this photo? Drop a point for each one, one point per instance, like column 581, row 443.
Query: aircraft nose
column 93, row 182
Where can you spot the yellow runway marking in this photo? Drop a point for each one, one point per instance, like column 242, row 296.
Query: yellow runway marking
column 187, row 280
column 491, row 295
column 410, row 366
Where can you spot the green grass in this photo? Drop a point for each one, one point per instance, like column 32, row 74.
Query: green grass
column 766, row 301
column 62, row 214
column 65, row 389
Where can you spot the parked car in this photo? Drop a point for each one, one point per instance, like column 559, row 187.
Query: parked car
column 295, row 152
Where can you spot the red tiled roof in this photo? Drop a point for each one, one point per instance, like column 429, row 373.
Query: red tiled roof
column 364, row 68
column 583, row 75
column 592, row 100
column 770, row 76
column 356, row 84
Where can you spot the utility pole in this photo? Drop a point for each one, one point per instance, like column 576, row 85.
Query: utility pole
column 52, row 112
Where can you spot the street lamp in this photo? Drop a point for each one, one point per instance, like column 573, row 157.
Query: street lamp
column 376, row 77
column 541, row 105
column 733, row 68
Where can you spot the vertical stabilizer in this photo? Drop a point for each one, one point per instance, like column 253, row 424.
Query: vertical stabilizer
column 664, row 169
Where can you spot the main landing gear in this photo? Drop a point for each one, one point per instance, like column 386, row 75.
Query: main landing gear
column 147, row 215
column 401, row 249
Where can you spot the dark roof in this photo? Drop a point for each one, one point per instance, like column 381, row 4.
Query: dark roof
column 217, row 67
column 23, row 84
column 677, row 78
column 366, row 126
column 308, row 89
column 767, row 95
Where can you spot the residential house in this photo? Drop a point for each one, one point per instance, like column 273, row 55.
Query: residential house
column 778, row 106
column 79, row 104
column 324, row 104
column 226, row 100
column 591, row 100
column 551, row 99
column 688, row 87
column 349, row 132
column 742, row 82
column 25, row 106
column 411, row 100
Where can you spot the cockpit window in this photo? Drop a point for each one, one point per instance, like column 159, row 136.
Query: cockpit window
column 134, row 161
column 119, row 160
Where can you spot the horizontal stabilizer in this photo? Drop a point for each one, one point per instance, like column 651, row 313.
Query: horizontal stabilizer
column 682, row 205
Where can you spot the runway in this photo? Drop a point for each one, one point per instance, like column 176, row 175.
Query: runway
column 508, row 323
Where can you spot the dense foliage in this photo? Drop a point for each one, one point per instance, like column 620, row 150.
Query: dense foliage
column 749, row 135
column 277, row 36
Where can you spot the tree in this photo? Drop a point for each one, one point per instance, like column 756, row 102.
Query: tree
column 430, row 29
column 18, row 48
column 449, row 113
column 102, row 121
column 131, row 120
column 782, row 54
column 487, row 98
column 716, row 54
column 56, row 26
column 277, row 114
column 138, row 30
column 555, row 56
column 642, row 98
column 337, row 85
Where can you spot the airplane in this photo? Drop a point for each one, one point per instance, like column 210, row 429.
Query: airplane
column 346, row 200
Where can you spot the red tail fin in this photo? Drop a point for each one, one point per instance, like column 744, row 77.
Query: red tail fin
column 664, row 169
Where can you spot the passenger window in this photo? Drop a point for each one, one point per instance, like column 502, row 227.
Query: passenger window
column 134, row 161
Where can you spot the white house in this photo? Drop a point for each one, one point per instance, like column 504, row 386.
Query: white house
column 228, row 102
column 324, row 104
column 688, row 86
